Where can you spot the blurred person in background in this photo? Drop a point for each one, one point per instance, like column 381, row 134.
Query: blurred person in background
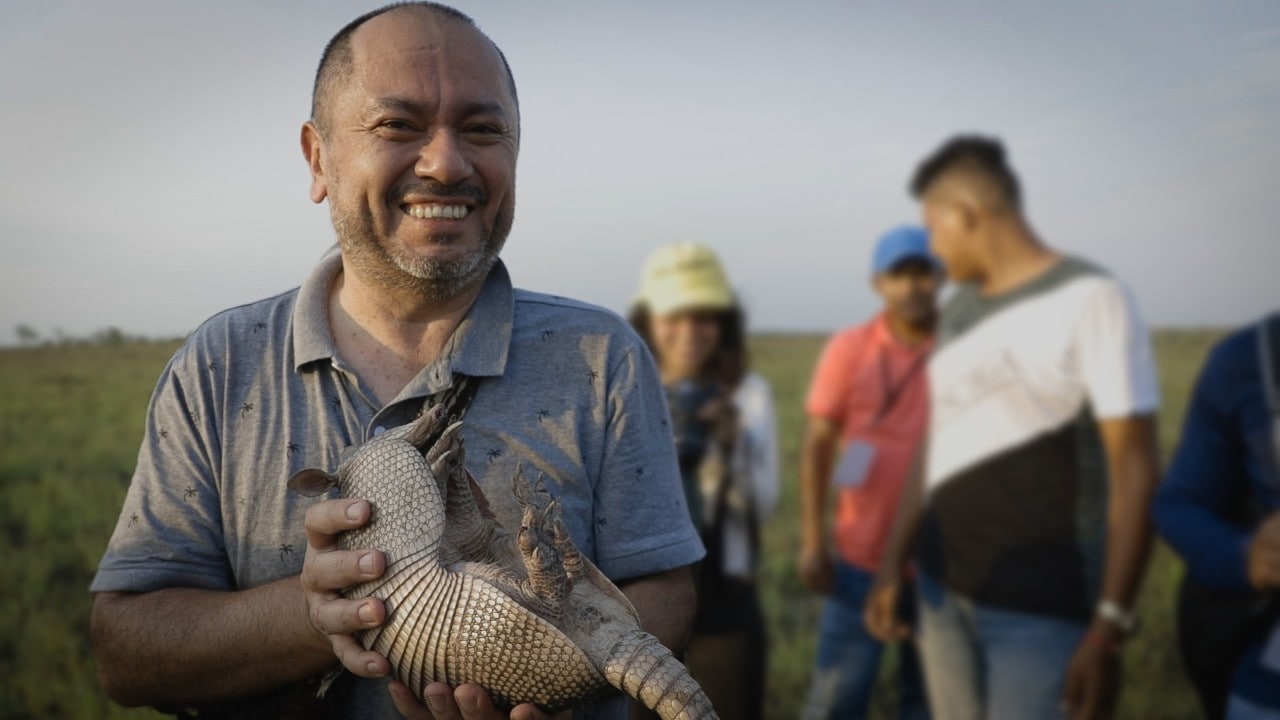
column 867, row 408
column 725, row 434
column 1219, row 507
column 1029, row 508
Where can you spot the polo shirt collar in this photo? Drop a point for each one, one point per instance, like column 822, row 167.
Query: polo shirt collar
column 312, row 339
column 479, row 345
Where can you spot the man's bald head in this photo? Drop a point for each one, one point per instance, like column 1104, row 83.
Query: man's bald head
column 972, row 167
column 336, row 63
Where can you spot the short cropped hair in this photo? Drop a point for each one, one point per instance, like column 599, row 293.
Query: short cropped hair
column 335, row 61
column 976, row 155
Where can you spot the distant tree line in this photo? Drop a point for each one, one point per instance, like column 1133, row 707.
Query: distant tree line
column 112, row 336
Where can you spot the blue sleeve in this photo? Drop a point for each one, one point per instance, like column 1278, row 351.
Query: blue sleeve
column 1207, row 478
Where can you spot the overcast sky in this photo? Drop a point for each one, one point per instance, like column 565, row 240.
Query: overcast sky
column 150, row 174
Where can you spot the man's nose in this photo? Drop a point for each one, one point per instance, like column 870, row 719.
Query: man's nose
column 443, row 159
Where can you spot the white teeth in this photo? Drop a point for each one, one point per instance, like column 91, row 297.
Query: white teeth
column 449, row 212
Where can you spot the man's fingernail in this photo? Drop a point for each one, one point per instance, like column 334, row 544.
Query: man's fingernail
column 366, row 612
column 435, row 702
column 469, row 702
column 373, row 668
column 366, row 564
column 353, row 511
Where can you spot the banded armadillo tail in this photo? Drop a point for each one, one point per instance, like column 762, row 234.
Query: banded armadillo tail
column 646, row 670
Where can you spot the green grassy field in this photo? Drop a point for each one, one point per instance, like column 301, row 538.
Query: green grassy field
column 70, row 423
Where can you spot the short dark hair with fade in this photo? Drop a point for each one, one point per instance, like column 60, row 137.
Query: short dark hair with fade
column 976, row 154
column 335, row 61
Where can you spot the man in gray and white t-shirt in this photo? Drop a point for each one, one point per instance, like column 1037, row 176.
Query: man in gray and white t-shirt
column 218, row 591
column 1031, row 502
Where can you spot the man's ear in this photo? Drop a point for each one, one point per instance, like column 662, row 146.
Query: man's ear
column 313, row 150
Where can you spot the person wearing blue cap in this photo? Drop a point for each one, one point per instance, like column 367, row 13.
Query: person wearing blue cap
column 866, row 413
column 1029, row 515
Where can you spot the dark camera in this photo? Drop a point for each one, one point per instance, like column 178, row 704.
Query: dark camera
column 685, row 399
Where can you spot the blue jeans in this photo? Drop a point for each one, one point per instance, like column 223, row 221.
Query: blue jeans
column 984, row 663
column 849, row 657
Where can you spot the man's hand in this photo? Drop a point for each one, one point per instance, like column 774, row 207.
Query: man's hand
column 880, row 614
column 1092, row 684
column 467, row 702
column 326, row 570
column 1264, row 555
column 817, row 572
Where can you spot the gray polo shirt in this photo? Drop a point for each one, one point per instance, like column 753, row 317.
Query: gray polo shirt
column 259, row 392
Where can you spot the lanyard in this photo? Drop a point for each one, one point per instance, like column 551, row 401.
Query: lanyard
column 893, row 392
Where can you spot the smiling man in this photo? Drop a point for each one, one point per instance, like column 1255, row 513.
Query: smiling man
column 205, row 602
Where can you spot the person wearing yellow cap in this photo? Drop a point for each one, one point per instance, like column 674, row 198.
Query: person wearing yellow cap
column 722, row 420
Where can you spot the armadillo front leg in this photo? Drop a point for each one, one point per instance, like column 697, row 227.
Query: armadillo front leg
column 547, row 553
column 550, row 558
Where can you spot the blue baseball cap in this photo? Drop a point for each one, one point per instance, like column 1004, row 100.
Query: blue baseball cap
column 902, row 243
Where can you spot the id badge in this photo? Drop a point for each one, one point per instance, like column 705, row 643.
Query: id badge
column 855, row 463
column 1271, row 652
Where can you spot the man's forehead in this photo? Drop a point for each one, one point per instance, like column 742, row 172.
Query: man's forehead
column 415, row 36
column 406, row 43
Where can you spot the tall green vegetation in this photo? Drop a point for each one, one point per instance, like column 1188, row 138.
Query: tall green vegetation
column 71, row 418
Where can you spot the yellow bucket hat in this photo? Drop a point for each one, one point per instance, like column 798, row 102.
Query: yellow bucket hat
column 684, row 276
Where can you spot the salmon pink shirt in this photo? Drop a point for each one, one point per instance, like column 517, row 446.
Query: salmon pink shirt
column 875, row 389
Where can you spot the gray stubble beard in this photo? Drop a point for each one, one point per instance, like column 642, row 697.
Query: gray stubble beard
column 434, row 280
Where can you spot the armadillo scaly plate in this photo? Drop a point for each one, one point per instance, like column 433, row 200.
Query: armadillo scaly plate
column 526, row 617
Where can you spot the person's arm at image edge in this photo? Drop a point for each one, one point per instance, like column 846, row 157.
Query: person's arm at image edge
column 1195, row 498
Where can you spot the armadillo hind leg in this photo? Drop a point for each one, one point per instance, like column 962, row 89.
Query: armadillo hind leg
column 646, row 670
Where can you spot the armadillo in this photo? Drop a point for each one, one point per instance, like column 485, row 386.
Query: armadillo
column 526, row 617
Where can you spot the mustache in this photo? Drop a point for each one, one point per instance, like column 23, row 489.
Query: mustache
column 432, row 188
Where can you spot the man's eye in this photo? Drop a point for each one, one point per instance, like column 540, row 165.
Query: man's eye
column 397, row 125
column 483, row 130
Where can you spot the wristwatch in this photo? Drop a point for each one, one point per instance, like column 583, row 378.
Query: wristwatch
column 1126, row 621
